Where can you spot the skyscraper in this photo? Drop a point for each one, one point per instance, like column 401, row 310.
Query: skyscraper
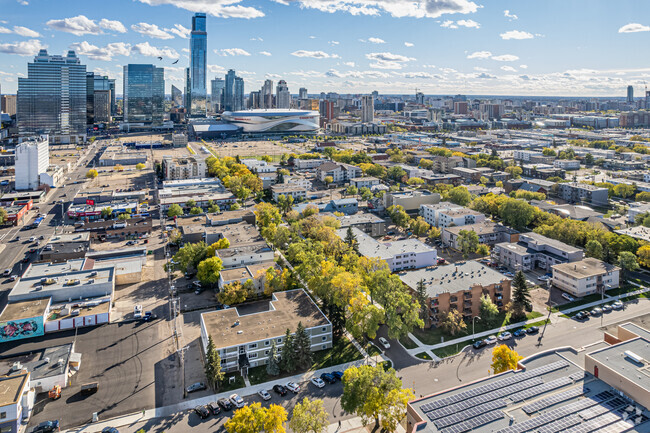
column 254, row 100
column 238, row 103
column 302, row 93
column 103, row 98
column 144, row 94
column 198, row 65
column 177, row 97
column 367, row 109
column 90, row 98
column 52, row 99
column 229, row 90
column 630, row 94
column 266, row 95
column 282, row 95
column 188, row 91
column 216, row 96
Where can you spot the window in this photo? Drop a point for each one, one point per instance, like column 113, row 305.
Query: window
column 266, row 352
column 267, row 342
column 5, row 429
column 324, row 329
column 3, row 415
column 324, row 338
column 252, row 355
column 279, row 340
column 252, row 346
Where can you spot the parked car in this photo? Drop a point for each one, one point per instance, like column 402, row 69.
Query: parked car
column 519, row 333
column 504, row 336
column 13, row 278
column 264, row 394
column 32, row 250
column 618, row 305
column 213, row 408
column 6, row 272
column 279, row 389
column 110, row 430
column 327, row 377
column 596, row 311
column 25, row 259
column 317, row 381
column 198, row 386
column 440, row 261
column 202, row 412
column 337, row 374
column 32, row 239
column 137, row 311
column 568, row 297
column 384, row 342
column 237, row 401
column 478, row 344
column 491, row 340
column 47, row 427
column 293, row 387
column 606, row 308
column 148, row 316
column 580, row 316
column 224, row 403
column 532, row 330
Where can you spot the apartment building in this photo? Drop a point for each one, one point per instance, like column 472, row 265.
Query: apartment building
column 411, row 200
column 17, row 401
column 567, row 164
column 431, row 212
column 535, row 251
column 585, row 277
column 297, row 192
column 338, row 171
column 245, row 341
column 307, row 164
column 399, row 255
column 575, row 192
column 488, row 232
column 459, row 287
column 637, row 209
column 459, row 217
column 184, row 168
column 366, row 222
column 364, row 182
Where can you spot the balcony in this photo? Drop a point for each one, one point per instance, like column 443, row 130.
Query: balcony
column 467, row 295
column 467, row 303
column 453, row 306
column 453, row 299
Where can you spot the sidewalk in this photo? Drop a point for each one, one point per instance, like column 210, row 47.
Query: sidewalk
column 165, row 411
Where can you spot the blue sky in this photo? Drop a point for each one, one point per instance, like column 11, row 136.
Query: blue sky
column 500, row 47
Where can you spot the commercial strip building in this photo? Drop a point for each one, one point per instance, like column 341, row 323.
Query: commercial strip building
column 410, row 200
column 585, row 277
column 458, row 287
column 244, row 340
column 399, row 255
column 202, row 191
column 489, row 233
column 534, row 251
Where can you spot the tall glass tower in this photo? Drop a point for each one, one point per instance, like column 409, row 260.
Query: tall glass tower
column 144, row 94
column 198, row 65
column 52, row 98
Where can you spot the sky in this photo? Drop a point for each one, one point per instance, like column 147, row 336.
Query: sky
column 488, row 47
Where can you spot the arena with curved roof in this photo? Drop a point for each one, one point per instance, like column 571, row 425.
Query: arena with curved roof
column 273, row 120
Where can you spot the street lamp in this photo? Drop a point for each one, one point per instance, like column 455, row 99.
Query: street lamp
column 475, row 317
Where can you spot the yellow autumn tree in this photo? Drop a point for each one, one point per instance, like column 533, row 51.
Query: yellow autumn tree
column 504, row 359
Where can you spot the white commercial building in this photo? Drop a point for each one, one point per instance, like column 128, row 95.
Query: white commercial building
column 32, row 159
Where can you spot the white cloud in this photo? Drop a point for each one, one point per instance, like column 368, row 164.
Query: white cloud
column 523, row 66
column 215, row 69
column 24, row 31
column 374, row 40
column 101, row 53
column 468, row 23
column 180, row 31
column 480, row 55
column 23, row 2
column 634, row 28
column 150, row 51
column 5, row 30
column 265, row 53
column 387, row 60
column 396, row 8
column 480, row 69
column 151, row 30
column 424, row 75
column 505, row 58
column 115, row 26
column 511, row 16
column 185, row 50
column 508, row 69
column 483, row 75
column 408, row 44
column 23, row 48
column 333, row 43
column 257, row 39
column 232, row 52
column 429, row 66
column 449, row 24
column 217, row 8
column 79, row 25
column 314, row 54
column 516, row 34
column 350, row 64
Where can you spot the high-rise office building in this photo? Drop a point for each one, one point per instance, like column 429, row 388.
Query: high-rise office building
column 282, row 95
column 630, row 94
column 198, row 65
column 8, row 104
column 419, row 98
column 188, row 91
column 266, row 95
column 375, row 94
column 229, row 90
column 177, row 97
column 238, row 103
column 52, row 99
column 144, row 94
column 302, row 93
column 254, row 100
column 99, row 98
column 90, row 98
column 647, row 99
column 216, row 96
column 32, row 159
column 367, row 109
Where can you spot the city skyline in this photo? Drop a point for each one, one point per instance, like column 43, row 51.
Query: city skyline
column 351, row 46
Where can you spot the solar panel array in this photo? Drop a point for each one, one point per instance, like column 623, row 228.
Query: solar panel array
column 553, row 400
column 474, row 422
column 549, row 416
column 469, row 413
column 617, row 427
column 561, row 424
column 537, row 390
column 605, row 395
column 593, row 412
column 595, row 424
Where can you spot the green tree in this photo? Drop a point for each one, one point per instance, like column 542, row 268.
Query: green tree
column 548, row 152
column 514, row 171
column 254, row 418
column 517, row 213
column 190, row 203
column 309, row 416
column 520, row 296
column 422, row 297
column 328, row 180
column 285, row 203
column 624, row 190
column 434, row 233
column 467, row 242
column 273, row 366
column 452, row 322
column 3, row 215
column 396, row 173
column 483, row 250
column 208, row 271
column 232, row 293
column 174, row 210
column 589, row 159
column 267, row 158
column 419, row 226
column 375, row 393
column 214, row 209
column 124, row 216
column 189, row 256
column 459, row 195
column 365, row 193
column 302, row 347
column 351, row 240
column 352, row 190
column 488, row 310
column 627, row 262
column 107, row 212
column 594, row 249
column 213, row 365
column 196, row 210
column 643, row 196
column 288, row 358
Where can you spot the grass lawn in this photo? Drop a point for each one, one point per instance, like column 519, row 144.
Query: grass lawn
column 625, row 288
column 407, row 342
column 423, row 355
column 371, row 349
column 585, row 300
column 226, row 386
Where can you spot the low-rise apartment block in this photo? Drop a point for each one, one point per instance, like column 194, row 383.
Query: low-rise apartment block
column 431, row 212
column 307, row 164
column 411, row 200
column 338, row 171
column 364, row 182
column 585, row 277
column 535, row 251
column 459, row 287
column 245, row 341
column 366, row 222
column 184, row 168
column 17, row 401
column 488, row 232
column 567, row 164
column 297, row 192
column 459, row 217
column 575, row 192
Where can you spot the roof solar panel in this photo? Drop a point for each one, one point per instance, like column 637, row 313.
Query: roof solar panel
column 550, row 416
column 474, row 422
column 561, row 424
column 469, row 413
column 546, row 387
column 553, row 400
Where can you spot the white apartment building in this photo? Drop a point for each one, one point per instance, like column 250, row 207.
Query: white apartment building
column 338, row 171
column 307, row 164
column 567, row 164
column 297, row 192
column 431, row 212
column 459, row 217
column 184, row 168
column 637, row 209
column 32, row 159
column 364, row 182
column 525, row 155
column 585, row 277
column 257, row 166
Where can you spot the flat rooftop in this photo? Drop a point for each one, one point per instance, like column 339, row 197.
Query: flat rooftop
column 41, row 363
column 482, row 228
column 370, row 247
column 238, row 249
column 24, row 309
column 83, row 279
column 452, row 278
column 585, row 268
column 235, row 274
column 44, row 270
column 286, row 310
column 361, row 218
column 614, row 357
column 543, row 240
column 11, row 388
